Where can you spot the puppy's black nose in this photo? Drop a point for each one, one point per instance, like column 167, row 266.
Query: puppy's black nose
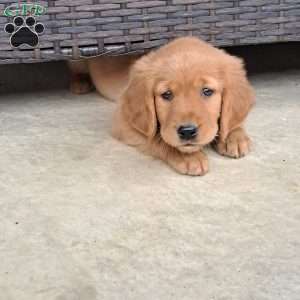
column 187, row 132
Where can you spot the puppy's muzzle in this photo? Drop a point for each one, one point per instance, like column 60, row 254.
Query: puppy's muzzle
column 187, row 132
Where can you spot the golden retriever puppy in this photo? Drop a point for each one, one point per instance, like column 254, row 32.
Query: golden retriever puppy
column 178, row 99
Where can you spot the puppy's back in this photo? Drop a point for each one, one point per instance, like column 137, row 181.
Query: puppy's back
column 110, row 74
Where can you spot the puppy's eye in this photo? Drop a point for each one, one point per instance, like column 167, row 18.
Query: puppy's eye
column 168, row 95
column 207, row 92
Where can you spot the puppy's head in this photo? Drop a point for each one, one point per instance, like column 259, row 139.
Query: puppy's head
column 188, row 92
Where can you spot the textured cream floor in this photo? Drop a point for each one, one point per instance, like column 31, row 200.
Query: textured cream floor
column 84, row 217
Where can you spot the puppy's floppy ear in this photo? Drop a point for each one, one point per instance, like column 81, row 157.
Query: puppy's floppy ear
column 138, row 105
column 238, row 97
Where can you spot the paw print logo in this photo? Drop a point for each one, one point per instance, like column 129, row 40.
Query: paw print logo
column 24, row 32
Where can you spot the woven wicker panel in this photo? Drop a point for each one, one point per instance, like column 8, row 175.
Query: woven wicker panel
column 79, row 28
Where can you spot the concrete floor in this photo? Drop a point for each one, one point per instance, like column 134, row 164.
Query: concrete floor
column 84, row 217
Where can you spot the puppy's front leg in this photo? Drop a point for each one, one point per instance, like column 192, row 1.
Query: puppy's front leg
column 194, row 164
column 237, row 144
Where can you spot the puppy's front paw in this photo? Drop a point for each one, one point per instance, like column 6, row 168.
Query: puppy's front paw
column 81, row 84
column 195, row 164
column 237, row 144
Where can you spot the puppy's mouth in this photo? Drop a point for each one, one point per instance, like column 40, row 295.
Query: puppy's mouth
column 189, row 147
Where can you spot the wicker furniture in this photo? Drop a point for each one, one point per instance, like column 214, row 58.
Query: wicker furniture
column 78, row 28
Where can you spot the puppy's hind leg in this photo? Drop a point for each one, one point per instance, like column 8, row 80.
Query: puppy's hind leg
column 80, row 81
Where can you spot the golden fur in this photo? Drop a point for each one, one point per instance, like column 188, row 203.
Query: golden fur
column 183, row 67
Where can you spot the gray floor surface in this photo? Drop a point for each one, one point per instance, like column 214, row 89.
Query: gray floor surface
column 84, row 217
